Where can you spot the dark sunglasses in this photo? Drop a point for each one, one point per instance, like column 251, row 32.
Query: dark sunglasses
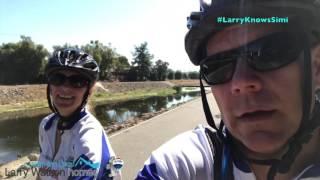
column 75, row 81
column 266, row 54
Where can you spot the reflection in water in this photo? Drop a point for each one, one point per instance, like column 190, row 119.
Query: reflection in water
column 118, row 113
column 20, row 136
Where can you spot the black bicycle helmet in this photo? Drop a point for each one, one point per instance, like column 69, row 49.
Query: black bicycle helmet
column 304, row 15
column 73, row 59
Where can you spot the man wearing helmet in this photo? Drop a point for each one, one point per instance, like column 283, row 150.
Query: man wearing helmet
column 264, row 78
column 73, row 143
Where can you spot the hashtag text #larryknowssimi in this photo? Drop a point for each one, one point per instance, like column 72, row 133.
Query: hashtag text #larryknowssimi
column 251, row 20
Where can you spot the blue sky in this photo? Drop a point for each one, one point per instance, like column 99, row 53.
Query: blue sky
column 123, row 23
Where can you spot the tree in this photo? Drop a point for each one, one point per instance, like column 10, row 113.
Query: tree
column 153, row 75
column 159, row 71
column 22, row 62
column 185, row 75
column 178, row 75
column 171, row 74
column 121, row 63
column 194, row 75
column 121, row 67
column 132, row 74
column 104, row 55
column 142, row 61
column 66, row 45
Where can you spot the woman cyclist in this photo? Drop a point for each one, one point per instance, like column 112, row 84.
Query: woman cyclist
column 73, row 143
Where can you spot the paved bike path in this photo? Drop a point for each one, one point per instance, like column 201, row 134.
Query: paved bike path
column 134, row 145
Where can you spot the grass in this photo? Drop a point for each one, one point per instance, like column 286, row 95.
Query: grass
column 96, row 99
column 23, row 106
column 105, row 98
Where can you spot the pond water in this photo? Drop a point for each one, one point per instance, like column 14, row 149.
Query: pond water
column 20, row 136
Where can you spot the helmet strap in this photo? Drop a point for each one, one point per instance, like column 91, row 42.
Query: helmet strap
column 51, row 106
column 207, row 110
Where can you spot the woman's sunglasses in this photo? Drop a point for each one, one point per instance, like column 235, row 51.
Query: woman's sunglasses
column 75, row 81
column 266, row 54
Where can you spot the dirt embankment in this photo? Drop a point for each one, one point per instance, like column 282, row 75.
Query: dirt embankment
column 27, row 93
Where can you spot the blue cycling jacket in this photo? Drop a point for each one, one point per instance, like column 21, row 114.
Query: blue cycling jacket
column 84, row 151
column 188, row 156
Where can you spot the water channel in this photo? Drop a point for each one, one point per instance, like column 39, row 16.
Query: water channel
column 20, row 136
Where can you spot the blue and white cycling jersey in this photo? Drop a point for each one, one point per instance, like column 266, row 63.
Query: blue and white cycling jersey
column 189, row 156
column 84, row 148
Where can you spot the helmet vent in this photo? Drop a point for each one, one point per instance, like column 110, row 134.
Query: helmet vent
column 90, row 65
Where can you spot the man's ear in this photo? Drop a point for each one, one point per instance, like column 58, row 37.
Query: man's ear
column 316, row 65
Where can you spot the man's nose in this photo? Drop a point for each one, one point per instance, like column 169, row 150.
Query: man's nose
column 245, row 79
